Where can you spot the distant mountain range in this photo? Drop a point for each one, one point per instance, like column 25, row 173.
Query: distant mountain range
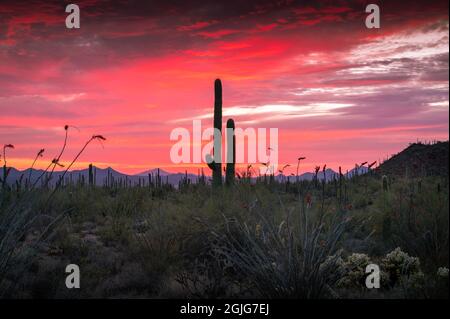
column 329, row 174
column 417, row 159
column 104, row 174
column 154, row 171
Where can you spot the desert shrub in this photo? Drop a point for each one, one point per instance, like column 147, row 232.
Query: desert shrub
column 280, row 260
column 419, row 224
column 208, row 276
column 354, row 268
column 157, row 244
column 442, row 273
column 399, row 264
column 22, row 230
column 437, row 286
column 249, row 240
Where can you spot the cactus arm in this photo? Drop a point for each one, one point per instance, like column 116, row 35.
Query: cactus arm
column 231, row 153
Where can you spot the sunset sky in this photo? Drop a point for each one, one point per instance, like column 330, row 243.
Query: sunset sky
column 339, row 93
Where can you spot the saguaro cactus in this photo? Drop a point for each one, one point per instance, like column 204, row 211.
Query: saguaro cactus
column 215, row 163
column 231, row 152
column 384, row 180
column 91, row 175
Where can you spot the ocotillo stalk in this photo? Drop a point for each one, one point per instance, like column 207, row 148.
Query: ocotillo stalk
column 340, row 185
column 298, row 165
column 6, row 170
column 231, row 152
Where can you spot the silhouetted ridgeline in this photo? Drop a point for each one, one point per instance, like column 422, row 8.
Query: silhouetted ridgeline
column 419, row 159
column 106, row 176
column 416, row 160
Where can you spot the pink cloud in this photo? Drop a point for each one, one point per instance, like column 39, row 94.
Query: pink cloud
column 130, row 76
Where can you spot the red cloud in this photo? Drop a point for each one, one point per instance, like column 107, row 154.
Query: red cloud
column 196, row 26
column 139, row 72
column 218, row 33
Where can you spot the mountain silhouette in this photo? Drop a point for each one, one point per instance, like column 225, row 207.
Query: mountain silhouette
column 416, row 159
column 419, row 159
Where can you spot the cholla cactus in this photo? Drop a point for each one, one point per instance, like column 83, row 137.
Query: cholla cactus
column 442, row 281
column 399, row 265
column 355, row 270
column 442, row 272
column 334, row 263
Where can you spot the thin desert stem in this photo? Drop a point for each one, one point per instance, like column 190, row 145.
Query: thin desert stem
column 40, row 176
column 56, row 161
column 39, row 154
column 61, row 179
column 5, row 167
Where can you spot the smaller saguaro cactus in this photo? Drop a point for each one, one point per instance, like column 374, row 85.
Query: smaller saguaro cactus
column 384, row 180
column 158, row 180
column 91, row 175
column 231, row 152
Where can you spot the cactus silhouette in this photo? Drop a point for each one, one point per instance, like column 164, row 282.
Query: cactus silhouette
column 215, row 163
column 91, row 175
column 385, row 183
column 231, row 153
